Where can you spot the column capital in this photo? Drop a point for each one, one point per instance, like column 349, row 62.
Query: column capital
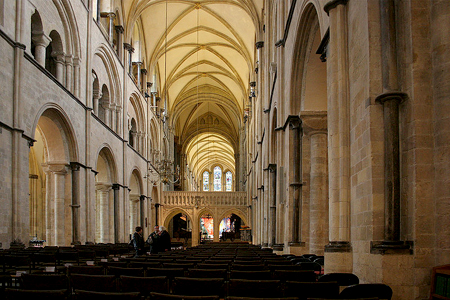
column 116, row 186
column 69, row 59
column 314, row 122
column 55, row 167
column 128, row 47
column 293, row 121
column 333, row 4
column 119, row 29
column 59, row 56
column 40, row 38
column 107, row 14
column 391, row 96
column 75, row 166
column 137, row 63
column 259, row 44
column 144, row 71
column 272, row 168
column 102, row 186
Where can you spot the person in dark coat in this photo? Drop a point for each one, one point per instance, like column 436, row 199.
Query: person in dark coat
column 165, row 241
column 154, row 241
column 138, row 242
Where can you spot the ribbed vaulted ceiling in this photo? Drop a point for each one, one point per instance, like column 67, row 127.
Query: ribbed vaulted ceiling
column 202, row 53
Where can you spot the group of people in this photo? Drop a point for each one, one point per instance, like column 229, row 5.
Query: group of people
column 158, row 240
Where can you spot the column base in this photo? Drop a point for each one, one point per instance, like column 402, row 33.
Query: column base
column 296, row 244
column 391, row 247
column 338, row 246
column 278, row 247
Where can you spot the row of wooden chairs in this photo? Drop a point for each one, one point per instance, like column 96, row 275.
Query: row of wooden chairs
column 194, row 286
column 16, row 294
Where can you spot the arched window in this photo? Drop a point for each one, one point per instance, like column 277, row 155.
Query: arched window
column 229, row 181
column 217, row 179
column 206, row 181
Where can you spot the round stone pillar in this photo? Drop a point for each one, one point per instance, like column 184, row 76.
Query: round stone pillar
column 41, row 41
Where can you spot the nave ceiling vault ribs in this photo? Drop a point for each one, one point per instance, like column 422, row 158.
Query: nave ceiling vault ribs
column 202, row 53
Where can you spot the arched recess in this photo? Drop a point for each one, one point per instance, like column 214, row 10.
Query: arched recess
column 49, row 177
column 237, row 212
column 104, row 196
column 105, row 68
column 136, row 205
column 63, row 57
column 54, row 56
column 136, row 130
column 207, row 224
column 309, row 75
column 309, row 101
column 37, row 36
column 182, row 234
column 153, row 141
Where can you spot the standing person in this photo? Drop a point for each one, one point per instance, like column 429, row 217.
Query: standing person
column 154, row 240
column 138, row 242
column 165, row 240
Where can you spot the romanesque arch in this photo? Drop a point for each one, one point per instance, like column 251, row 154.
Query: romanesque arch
column 104, row 196
column 49, row 169
column 136, row 205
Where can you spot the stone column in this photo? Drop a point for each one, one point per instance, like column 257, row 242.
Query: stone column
column 75, row 202
column 133, row 201
column 118, row 128
column 255, row 220
column 130, row 50
column 119, row 30
column 272, row 204
column 95, row 99
column 138, row 78
column 295, row 181
column 105, row 104
column 41, row 41
column 265, row 213
column 102, row 212
column 33, row 190
column 315, row 126
column 111, row 16
column 112, row 115
column 116, row 188
column 157, row 205
column 55, row 197
column 142, row 210
column 338, row 257
column 69, row 72
column 318, row 193
column 390, row 99
column 59, row 60
column 391, row 102
column 76, row 76
column 143, row 80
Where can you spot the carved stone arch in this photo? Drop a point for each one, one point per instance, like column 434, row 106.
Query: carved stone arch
column 206, row 210
column 108, row 154
column 172, row 213
column 70, row 28
column 111, row 74
column 307, row 38
column 236, row 211
column 57, row 115
column 51, row 189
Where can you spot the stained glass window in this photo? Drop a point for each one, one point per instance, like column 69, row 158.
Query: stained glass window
column 229, row 181
column 206, row 181
column 217, row 179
